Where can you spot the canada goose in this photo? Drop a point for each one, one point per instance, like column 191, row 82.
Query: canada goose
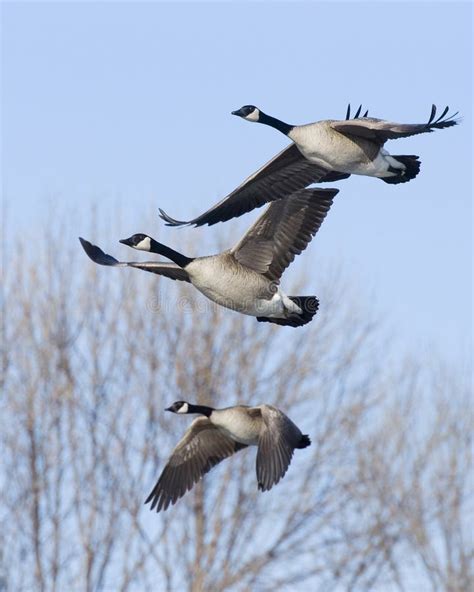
column 354, row 146
column 327, row 150
column 246, row 278
column 219, row 434
column 284, row 174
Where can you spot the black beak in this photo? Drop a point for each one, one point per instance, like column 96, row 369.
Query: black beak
column 126, row 241
column 239, row 112
column 167, row 408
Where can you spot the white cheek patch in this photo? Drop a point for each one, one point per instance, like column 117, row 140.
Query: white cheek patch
column 183, row 409
column 254, row 116
column 144, row 245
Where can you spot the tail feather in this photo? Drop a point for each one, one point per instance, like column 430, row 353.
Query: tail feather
column 304, row 441
column 309, row 306
column 411, row 170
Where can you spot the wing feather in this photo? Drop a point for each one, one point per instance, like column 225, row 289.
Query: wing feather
column 380, row 131
column 169, row 270
column 202, row 447
column 286, row 173
column 283, row 231
column 278, row 439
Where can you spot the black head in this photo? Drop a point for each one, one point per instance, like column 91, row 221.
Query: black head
column 142, row 242
column 249, row 112
column 179, row 407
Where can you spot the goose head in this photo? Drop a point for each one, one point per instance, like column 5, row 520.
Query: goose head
column 248, row 112
column 179, row 407
column 142, row 242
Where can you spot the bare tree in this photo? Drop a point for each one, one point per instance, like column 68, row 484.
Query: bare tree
column 90, row 358
column 413, row 490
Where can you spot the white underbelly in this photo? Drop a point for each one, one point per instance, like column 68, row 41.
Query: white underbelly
column 249, row 305
column 352, row 161
column 236, row 288
column 235, row 299
column 267, row 308
column 244, row 436
column 337, row 152
column 237, row 425
column 239, row 289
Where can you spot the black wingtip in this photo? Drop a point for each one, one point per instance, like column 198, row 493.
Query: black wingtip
column 442, row 121
column 149, row 498
column 432, row 114
column 357, row 114
column 88, row 247
column 96, row 254
column 446, row 109
column 172, row 221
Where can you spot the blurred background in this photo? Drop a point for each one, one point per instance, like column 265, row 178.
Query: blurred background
column 111, row 110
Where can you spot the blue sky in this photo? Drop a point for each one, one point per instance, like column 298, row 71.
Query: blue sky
column 129, row 104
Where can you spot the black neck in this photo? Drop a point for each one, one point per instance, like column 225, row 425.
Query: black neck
column 178, row 258
column 281, row 126
column 202, row 409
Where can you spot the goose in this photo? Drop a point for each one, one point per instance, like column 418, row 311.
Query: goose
column 283, row 175
column 355, row 146
column 337, row 148
column 246, row 278
column 216, row 436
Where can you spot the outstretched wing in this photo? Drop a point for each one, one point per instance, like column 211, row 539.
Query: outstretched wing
column 283, row 231
column 169, row 270
column 202, row 447
column 286, row 173
column 380, row 131
column 278, row 439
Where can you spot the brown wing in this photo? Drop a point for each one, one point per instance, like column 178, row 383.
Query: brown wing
column 278, row 439
column 380, row 131
column 202, row 447
column 286, row 173
column 283, row 231
column 169, row 270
